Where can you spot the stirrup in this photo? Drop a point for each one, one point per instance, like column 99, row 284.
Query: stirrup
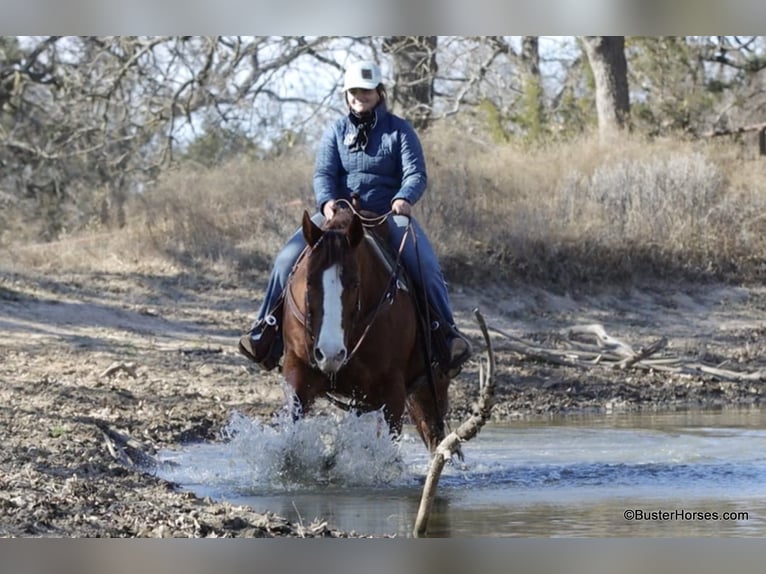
column 460, row 351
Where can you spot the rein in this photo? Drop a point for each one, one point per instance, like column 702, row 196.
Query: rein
column 388, row 293
column 390, row 290
column 425, row 312
column 366, row 221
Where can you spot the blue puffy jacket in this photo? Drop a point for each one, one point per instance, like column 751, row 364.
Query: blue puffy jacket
column 391, row 166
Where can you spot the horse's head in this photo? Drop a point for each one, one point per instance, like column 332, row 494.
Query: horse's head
column 332, row 286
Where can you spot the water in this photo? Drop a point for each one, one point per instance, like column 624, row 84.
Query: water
column 564, row 477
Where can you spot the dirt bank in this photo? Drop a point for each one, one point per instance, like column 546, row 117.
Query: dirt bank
column 92, row 360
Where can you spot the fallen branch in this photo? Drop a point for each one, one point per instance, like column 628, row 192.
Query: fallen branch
column 116, row 367
column 723, row 374
column 613, row 353
column 201, row 351
column 125, row 449
column 734, row 131
column 535, row 352
column 465, row 432
column 643, row 354
column 604, row 341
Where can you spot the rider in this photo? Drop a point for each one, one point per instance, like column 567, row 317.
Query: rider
column 377, row 155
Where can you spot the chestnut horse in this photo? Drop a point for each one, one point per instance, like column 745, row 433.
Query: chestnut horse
column 351, row 331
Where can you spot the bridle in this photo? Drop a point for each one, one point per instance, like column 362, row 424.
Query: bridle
column 387, row 296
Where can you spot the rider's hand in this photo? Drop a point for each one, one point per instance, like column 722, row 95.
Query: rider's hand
column 329, row 209
column 401, row 207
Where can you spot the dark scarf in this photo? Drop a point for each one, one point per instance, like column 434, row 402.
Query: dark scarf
column 358, row 138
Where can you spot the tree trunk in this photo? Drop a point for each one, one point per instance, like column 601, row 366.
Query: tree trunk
column 606, row 55
column 533, row 109
column 415, row 67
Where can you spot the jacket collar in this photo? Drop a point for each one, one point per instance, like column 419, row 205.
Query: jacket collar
column 358, row 130
column 379, row 112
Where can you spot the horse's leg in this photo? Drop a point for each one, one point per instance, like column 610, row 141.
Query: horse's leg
column 428, row 407
column 387, row 390
column 394, row 410
column 306, row 383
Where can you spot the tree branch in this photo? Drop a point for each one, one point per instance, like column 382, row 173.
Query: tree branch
column 612, row 353
column 465, row 432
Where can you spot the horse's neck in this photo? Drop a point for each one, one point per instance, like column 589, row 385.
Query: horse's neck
column 374, row 272
column 295, row 291
column 380, row 251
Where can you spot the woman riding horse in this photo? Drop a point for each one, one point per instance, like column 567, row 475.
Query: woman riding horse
column 377, row 156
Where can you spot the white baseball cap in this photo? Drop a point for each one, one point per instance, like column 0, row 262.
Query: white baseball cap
column 365, row 75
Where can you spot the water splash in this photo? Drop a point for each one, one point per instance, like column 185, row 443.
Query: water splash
column 337, row 449
column 340, row 449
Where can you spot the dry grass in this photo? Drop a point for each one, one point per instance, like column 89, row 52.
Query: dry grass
column 240, row 213
column 567, row 214
column 582, row 213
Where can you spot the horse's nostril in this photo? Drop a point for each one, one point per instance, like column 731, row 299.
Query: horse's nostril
column 335, row 357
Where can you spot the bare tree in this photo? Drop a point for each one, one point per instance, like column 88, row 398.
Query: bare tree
column 507, row 83
column 86, row 121
column 414, row 65
column 82, row 117
column 606, row 55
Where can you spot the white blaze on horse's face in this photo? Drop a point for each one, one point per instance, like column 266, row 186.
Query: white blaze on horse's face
column 330, row 350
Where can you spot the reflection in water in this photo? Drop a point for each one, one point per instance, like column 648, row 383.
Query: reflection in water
column 569, row 476
column 607, row 518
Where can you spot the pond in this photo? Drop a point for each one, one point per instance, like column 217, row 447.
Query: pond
column 685, row 473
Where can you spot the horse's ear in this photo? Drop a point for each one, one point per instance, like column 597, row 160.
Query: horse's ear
column 355, row 232
column 311, row 231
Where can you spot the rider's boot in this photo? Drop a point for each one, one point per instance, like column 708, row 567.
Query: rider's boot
column 262, row 344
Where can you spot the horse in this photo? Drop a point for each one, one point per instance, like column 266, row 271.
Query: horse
column 351, row 334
